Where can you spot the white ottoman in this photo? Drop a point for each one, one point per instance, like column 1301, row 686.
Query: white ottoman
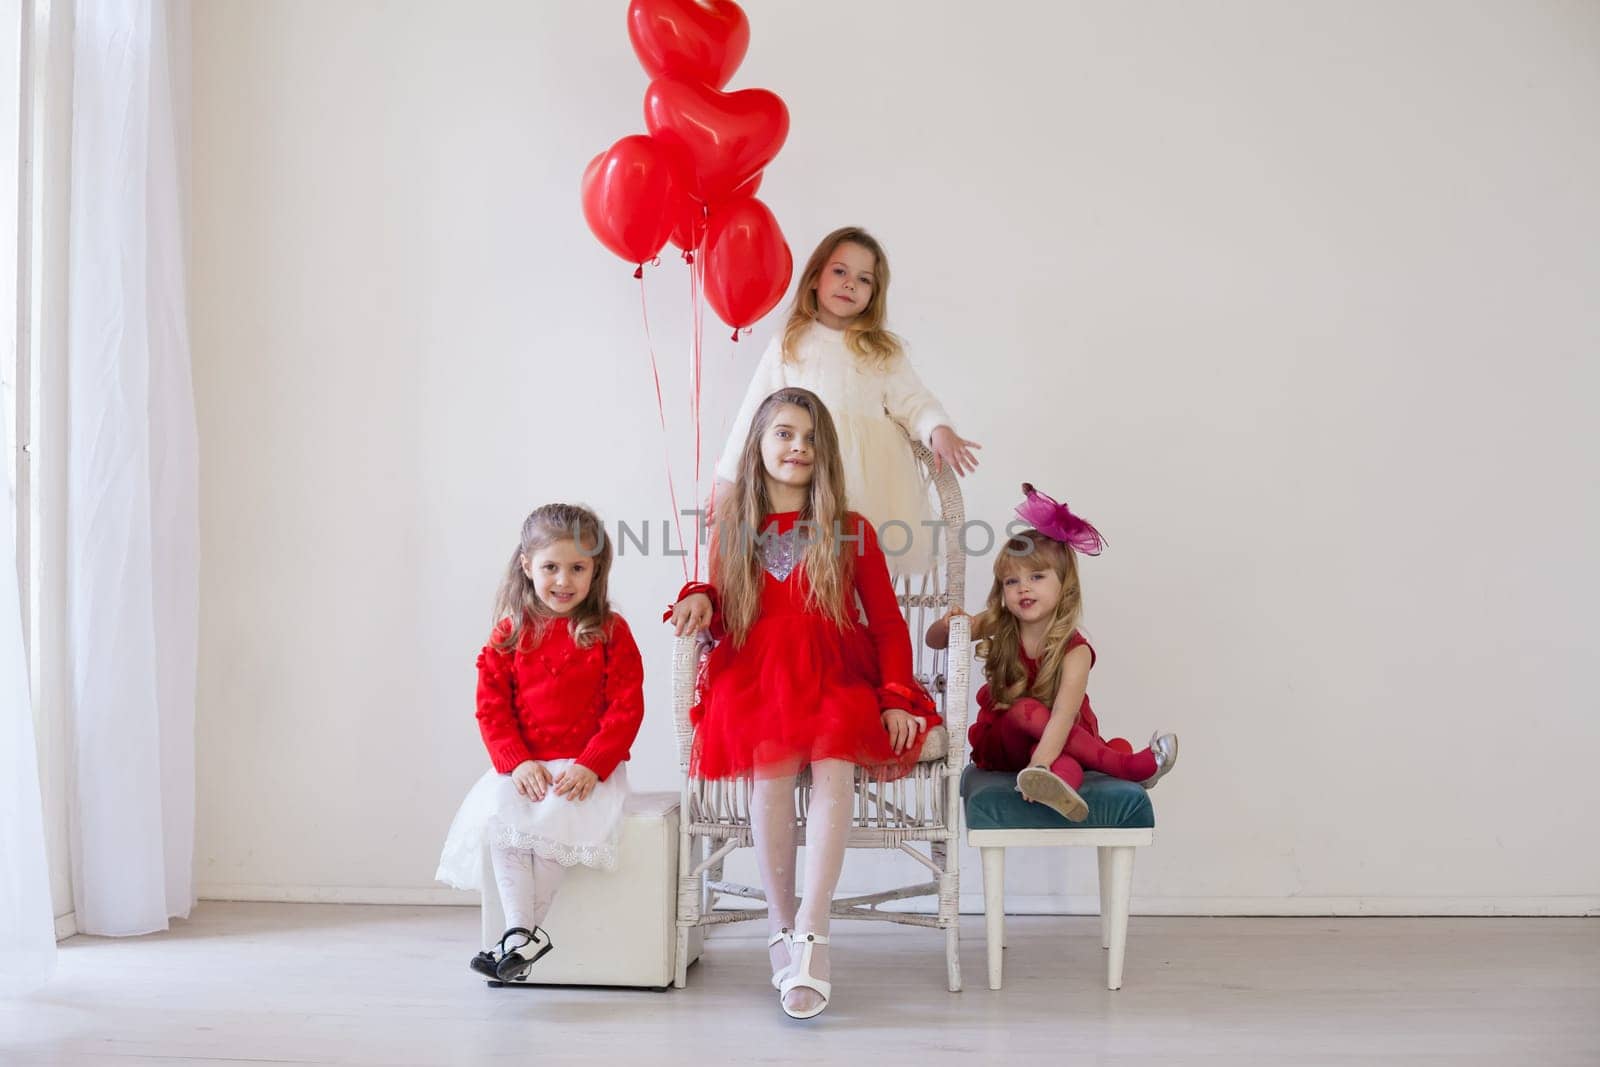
column 618, row 927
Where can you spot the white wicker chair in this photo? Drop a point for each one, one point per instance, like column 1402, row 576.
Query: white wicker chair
column 922, row 807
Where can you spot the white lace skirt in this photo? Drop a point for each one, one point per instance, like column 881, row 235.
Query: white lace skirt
column 571, row 833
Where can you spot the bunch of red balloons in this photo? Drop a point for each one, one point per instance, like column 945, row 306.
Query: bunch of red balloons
column 693, row 178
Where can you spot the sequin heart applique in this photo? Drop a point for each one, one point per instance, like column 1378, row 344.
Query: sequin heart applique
column 780, row 553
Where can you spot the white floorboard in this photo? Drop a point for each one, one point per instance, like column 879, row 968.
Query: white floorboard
column 314, row 983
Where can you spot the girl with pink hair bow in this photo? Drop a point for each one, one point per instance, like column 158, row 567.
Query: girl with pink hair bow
column 1034, row 716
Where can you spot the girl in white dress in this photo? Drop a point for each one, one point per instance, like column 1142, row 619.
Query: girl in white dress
column 836, row 345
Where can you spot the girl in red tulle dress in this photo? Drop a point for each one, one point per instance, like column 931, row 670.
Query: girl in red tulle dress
column 798, row 678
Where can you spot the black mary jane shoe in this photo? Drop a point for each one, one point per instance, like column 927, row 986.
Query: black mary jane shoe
column 484, row 963
column 517, row 959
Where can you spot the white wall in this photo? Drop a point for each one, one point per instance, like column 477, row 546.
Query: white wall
column 1295, row 301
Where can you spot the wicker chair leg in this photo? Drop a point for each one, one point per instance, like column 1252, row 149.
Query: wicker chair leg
column 690, row 892
column 952, row 956
column 681, row 978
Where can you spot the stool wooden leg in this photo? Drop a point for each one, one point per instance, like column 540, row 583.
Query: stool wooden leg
column 1120, row 889
column 994, row 909
column 1103, row 861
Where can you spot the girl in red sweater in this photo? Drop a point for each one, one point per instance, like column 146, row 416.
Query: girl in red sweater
column 798, row 679
column 560, row 699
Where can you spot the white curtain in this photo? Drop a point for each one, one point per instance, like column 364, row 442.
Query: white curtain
column 132, row 470
column 27, row 927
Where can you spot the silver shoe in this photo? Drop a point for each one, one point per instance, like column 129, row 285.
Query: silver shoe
column 1165, row 749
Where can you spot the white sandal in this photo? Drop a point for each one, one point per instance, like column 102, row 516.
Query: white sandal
column 800, row 977
column 787, row 937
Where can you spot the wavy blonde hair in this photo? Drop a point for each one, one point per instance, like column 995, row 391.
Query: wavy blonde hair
column 518, row 603
column 999, row 633
column 866, row 334
column 736, row 564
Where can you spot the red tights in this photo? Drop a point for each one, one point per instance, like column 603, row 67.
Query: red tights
column 1023, row 724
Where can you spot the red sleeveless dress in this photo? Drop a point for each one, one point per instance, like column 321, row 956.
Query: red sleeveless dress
column 802, row 688
column 988, row 752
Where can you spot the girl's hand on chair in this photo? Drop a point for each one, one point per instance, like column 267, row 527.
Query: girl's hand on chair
column 691, row 614
column 938, row 635
column 903, row 728
column 950, row 447
column 531, row 778
column 576, row 782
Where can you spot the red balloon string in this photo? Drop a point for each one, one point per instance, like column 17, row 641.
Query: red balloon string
column 661, row 411
column 697, row 304
column 699, row 410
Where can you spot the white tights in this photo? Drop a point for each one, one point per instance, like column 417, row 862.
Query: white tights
column 528, row 885
column 827, row 831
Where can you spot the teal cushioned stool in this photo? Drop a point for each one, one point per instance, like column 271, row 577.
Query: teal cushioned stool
column 1120, row 820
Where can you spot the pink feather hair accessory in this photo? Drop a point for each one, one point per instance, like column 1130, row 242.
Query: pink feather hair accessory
column 1057, row 522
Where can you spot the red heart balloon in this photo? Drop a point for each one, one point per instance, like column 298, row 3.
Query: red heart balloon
column 728, row 136
column 698, row 40
column 747, row 262
column 689, row 217
column 688, row 223
column 628, row 194
column 751, row 187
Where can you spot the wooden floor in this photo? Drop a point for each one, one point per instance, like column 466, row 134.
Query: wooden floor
column 289, row 983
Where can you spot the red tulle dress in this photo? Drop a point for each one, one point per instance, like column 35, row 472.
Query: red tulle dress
column 801, row 688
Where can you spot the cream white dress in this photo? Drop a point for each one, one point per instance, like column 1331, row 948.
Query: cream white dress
column 866, row 398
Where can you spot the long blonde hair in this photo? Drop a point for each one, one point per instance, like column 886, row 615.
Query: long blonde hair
column 518, row 611
column 736, row 562
column 866, row 335
column 999, row 633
